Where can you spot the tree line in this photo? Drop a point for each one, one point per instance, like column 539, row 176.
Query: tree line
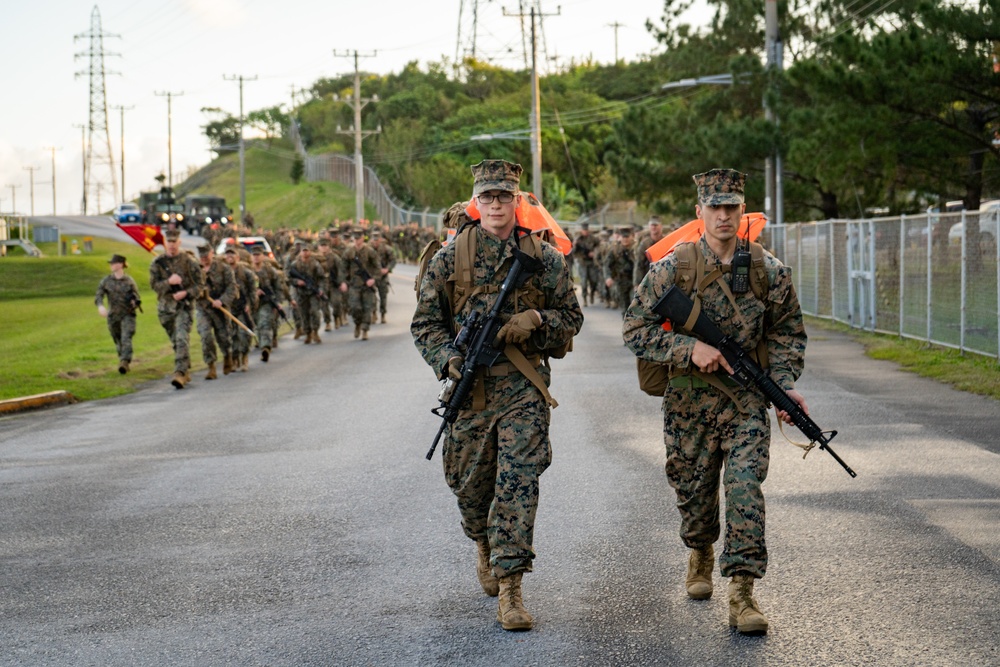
column 887, row 106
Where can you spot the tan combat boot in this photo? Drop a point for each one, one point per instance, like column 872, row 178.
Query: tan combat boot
column 490, row 584
column 123, row 367
column 364, row 335
column 211, row 374
column 699, row 574
column 744, row 614
column 383, row 318
column 244, row 363
column 179, row 380
column 357, row 330
column 316, row 338
column 187, row 376
column 511, row 612
column 298, row 334
column 329, row 327
column 227, row 364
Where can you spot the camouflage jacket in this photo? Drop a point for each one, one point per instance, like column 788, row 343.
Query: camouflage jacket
column 123, row 295
column 270, row 281
column 220, row 282
column 333, row 265
column 433, row 328
column 311, row 270
column 358, row 262
column 246, row 281
column 618, row 264
column 641, row 262
column 785, row 334
column 192, row 280
column 386, row 256
column 583, row 246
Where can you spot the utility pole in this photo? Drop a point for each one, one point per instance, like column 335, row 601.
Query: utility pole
column 536, row 112
column 774, row 194
column 170, row 136
column 13, row 198
column 359, row 134
column 616, row 25
column 83, row 151
column 243, row 177
column 31, row 172
column 123, row 109
column 53, row 149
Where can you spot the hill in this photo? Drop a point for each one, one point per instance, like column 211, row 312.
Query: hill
column 272, row 198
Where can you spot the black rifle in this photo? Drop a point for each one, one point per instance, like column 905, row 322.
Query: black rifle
column 310, row 284
column 477, row 340
column 268, row 298
column 676, row 306
column 364, row 273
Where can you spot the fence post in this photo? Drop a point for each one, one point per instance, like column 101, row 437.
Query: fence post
column 816, row 273
column 872, row 291
column 902, row 268
column 961, row 316
column 930, row 281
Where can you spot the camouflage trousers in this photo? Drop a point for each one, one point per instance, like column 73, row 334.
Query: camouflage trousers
column 309, row 311
column 177, row 324
column 590, row 276
column 383, row 293
column 122, row 328
column 492, row 462
column 705, row 434
column 214, row 327
column 326, row 308
column 361, row 303
column 241, row 339
column 265, row 325
column 623, row 292
column 338, row 303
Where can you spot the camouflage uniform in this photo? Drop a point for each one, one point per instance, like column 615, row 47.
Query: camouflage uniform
column 308, row 303
column 176, row 317
column 704, row 430
column 587, row 269
column 123, row 297
column 618, row 266
column 268, row 281
column 387, row 258
column 641, row 262
column 493, row 457
column 213, row 326
column 359, row 263
column 244, row 307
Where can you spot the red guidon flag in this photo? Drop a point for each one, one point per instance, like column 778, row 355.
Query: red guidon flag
column 148, row 236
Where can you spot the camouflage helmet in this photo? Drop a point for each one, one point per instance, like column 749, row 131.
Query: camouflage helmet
column 495, row 175
column 720, row 187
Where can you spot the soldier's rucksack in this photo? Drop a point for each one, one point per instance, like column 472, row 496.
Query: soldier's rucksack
column 654, row 377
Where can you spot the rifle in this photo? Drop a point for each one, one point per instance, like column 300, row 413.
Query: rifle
column 477, row 340
column 676, row 306
column 268, row 298
column 310, row 284
column 364, row 273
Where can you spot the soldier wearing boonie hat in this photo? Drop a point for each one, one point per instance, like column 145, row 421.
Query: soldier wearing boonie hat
column 713, row 424
column 123, row 300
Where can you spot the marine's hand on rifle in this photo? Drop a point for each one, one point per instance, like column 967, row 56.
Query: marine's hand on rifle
column 798, row 398
column 180, row 296
column 519, row 327
column 300, row 283
column 370, row 282
column 709, row 359
column 174, row 279
column 455, row 367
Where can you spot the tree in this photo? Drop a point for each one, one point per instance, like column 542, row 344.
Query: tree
column 222, row 130
column 269, row 120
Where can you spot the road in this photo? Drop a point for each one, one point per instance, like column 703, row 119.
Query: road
column 286, row 516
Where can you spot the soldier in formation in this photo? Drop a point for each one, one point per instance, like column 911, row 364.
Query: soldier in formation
column 308, row 279
column 387, row 260
column 244, row 307
column 123, row 300
column 362, row 266
column 214, row 326
column 654, row 232
column 713, row 426
column 619, row 261
column 271, row 291
column 587, row 270
column 177, row 279
column 496, row 451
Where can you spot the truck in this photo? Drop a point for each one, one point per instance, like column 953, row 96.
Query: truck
column 161, row 208
column 201, row 211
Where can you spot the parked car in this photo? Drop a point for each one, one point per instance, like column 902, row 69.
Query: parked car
column 127, row 212
column 989, row 212
column 248, row 242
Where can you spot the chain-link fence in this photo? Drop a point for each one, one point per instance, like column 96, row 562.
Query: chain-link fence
column 933, row 277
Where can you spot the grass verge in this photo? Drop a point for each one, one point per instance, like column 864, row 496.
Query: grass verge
column 969, row 372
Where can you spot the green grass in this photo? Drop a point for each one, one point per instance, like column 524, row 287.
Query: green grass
column 968, row 372
column 54, row 339
column 272, row 198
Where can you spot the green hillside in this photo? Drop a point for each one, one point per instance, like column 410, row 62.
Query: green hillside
column 272, row 198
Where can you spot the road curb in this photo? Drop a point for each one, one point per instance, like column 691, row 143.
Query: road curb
column 36, row 401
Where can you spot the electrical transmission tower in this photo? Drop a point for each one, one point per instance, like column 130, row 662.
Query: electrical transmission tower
column 98, row 151
column 483, row 36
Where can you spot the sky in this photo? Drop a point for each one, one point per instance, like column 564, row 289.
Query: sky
column 190, row 47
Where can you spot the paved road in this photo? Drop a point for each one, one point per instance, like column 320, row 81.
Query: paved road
column 286, row 516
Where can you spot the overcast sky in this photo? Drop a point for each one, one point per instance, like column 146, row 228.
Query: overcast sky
column 189, row 46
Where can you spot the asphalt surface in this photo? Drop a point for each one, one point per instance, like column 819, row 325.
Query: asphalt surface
column 286, row 516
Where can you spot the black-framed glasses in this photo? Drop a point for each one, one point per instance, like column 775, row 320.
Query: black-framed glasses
column 503, row 198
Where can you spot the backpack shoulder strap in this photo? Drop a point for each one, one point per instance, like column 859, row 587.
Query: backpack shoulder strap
column 759, row 283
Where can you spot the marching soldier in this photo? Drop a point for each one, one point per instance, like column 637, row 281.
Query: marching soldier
column 308, row 279
column 587, row 269
column 123, row 300
column 387, row 258
column 213, row 325
column 654, row 232
column 333, row 268
column 177, row 279
column 270, row 290
column 244, row 307
column 618, row 268
column 362, row 265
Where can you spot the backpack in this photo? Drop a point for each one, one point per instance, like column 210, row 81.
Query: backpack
column 654, row 377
